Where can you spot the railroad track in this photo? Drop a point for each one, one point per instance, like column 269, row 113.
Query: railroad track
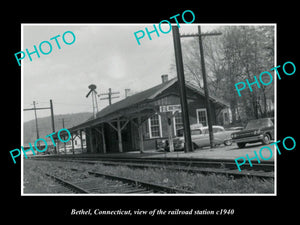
column 97, row 182
column 204, row 166
column 198, row 163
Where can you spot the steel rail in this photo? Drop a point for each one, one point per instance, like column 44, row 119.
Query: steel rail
column 181, row 168
column 216, row 163
column 152, row 186
column 190, row 168
column 68, row 184
column 134, row 182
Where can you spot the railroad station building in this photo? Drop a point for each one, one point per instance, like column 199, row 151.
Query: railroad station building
column 138, row 121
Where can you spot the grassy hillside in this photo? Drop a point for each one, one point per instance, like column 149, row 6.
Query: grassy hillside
column 45, row 127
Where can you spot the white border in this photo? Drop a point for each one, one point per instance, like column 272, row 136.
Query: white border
column 145, row 24
column 22, row 107
column 275, row 109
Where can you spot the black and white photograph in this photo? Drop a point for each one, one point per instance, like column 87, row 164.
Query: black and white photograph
column 106, row 111
column 167, row 115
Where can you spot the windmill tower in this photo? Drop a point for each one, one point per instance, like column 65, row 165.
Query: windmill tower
column 92, row 88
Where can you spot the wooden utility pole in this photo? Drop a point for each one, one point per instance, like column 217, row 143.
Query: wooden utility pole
column 209, row 119
column 181, row 83
column 52, row 122
column 63, row 125
column 36, row 120
column 140, row 130
column 170, row 136
column 109, row 95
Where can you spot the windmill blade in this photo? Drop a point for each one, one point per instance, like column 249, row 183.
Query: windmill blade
column 88, row 93
column 95, row 91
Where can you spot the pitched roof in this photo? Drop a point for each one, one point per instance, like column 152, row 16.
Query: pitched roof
column 148, row 94
column 144, row 96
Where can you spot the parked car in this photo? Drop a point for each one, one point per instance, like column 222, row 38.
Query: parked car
column 235, row 128
column 200, row 137
column 259, row 130
column 164, row 143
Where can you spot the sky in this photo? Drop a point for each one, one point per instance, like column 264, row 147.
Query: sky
column 106, row 55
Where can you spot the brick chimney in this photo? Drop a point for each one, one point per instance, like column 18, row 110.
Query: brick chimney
column 164, row 78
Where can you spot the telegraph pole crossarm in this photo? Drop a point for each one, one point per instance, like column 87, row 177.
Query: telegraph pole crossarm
column 109, row 95
column 202, row 34
column 36, row 108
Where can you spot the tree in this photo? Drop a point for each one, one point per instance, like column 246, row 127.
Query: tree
column 240, row 53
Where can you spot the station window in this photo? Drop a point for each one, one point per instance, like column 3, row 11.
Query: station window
column 177, row 119
column 202, row 116
column 155, row 126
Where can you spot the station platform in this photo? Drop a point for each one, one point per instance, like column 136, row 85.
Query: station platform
column 223, row 153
